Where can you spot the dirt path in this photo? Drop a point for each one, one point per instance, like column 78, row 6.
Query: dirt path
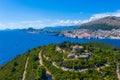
column 101, row 67
column 24, row 73
column 117, row 72
column 48, row 73
column 40, row 58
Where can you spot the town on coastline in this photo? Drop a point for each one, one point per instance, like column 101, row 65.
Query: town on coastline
column 88, row 34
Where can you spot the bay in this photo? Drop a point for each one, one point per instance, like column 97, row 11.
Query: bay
column 15, row 42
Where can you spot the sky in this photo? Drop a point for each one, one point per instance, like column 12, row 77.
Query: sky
column 45, row 13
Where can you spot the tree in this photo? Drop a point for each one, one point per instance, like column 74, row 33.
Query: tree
column 41, row 73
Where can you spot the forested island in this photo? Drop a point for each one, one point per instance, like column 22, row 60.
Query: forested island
column 65, row 61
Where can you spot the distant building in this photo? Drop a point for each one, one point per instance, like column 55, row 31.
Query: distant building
column 83, row 55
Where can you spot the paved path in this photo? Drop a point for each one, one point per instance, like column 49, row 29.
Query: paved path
column 24, row 73
column 80, row 70
column 68, row 69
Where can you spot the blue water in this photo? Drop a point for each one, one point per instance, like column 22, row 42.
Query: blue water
column 17, row 42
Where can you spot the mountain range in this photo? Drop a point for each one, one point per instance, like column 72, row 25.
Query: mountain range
column 106, row 23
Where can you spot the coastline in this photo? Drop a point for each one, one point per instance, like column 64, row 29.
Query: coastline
column 113, row 38
column 27, row 41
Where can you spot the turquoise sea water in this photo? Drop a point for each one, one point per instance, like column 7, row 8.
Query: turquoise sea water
column 15, row 42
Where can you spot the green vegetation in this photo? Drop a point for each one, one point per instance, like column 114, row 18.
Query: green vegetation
column 41, row 73
column 59, row 74
column 33, row 64
column 13, row 70
column 102, row 63
column 100, row 66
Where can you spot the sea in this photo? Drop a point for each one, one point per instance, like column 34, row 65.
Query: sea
column 16, row 42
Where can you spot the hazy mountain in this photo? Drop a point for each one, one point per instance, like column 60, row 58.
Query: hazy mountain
column 106, row 23
column 58, row 28
column 49, row 29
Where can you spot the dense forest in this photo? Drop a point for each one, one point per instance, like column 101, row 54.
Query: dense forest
column 91, row 61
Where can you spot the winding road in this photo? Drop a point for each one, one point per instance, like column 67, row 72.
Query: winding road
column 79, row 70
column 48, row 73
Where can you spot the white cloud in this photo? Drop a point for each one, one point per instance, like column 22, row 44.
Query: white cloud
column 39, row 24
column 37, row 21
column 98, row 16
column 2, row 26
column 101, row 15
column 22, row 24
column 48, row 22
column 66, row 22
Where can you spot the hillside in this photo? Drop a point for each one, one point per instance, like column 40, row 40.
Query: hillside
column 24, row 67
column 65, row 61
column 106, row 23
